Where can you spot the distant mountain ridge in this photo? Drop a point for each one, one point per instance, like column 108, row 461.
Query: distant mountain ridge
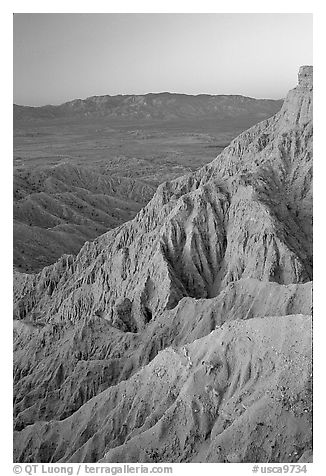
column 162, row 106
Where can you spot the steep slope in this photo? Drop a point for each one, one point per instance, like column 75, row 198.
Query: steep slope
column 231, row 242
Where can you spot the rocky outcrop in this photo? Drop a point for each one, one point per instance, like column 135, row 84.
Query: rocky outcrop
column 305, row 76
column 224, row 246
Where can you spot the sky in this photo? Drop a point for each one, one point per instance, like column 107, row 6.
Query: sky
column 60, row 57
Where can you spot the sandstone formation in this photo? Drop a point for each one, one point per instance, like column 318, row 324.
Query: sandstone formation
column 184, row 334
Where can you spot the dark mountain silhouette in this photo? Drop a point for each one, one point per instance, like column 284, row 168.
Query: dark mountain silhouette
column 160, row 106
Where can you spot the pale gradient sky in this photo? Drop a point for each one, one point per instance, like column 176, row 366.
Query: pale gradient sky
column 59, row 57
